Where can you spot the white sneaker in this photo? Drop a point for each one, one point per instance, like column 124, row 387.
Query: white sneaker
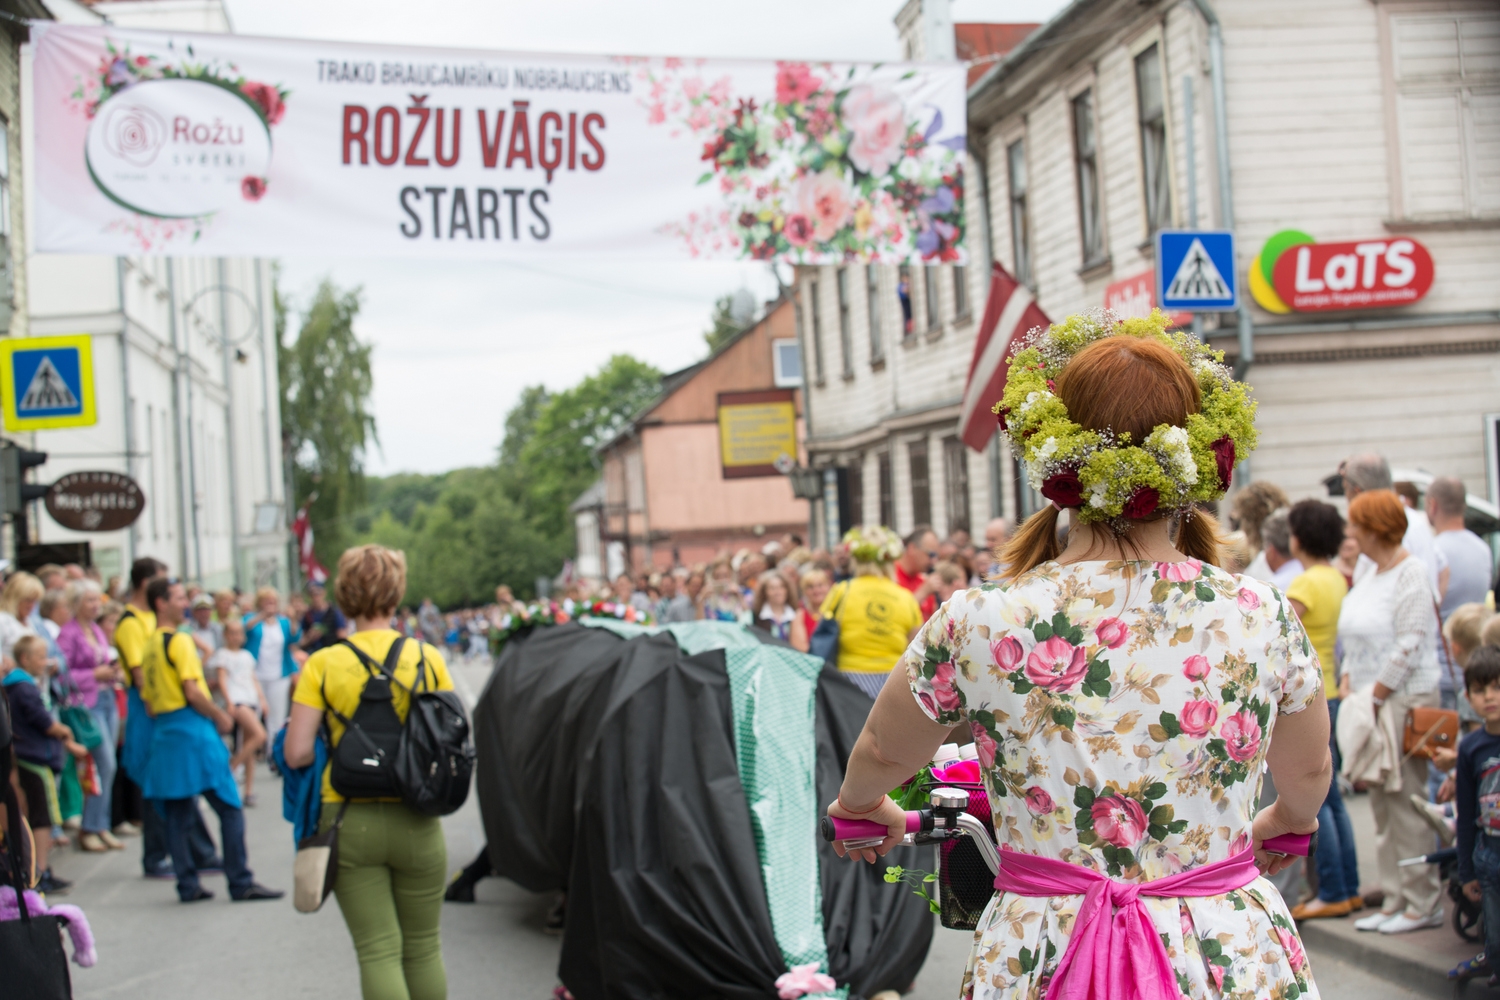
column 1401, row 922
column 1374, row 920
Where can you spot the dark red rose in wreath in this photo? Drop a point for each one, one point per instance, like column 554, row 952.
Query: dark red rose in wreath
column 1063, row 489
column 1223, row 450
column 1002, row 414
column 1142, row 503
column 253, row 188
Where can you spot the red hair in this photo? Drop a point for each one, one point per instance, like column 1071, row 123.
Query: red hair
column 1129, row 385
column 1380, row 512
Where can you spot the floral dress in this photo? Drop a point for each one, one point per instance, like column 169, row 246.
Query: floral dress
column 1122, row 712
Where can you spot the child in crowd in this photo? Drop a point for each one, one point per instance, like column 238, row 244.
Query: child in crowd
column 1463, row 630
column 1478, row 801
column 40, row 741
column 234, row 675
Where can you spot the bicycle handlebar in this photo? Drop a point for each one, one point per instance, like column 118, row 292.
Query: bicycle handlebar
column 834, row 828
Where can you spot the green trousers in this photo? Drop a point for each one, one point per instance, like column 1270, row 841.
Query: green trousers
column 392, row 867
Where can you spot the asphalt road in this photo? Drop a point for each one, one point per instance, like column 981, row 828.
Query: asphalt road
column 152, row 946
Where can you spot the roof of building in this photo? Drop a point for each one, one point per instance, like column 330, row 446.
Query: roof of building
column 1061, row 34
column 982, row 45
column 589, row 498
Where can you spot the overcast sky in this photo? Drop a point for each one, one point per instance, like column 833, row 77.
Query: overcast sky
column 455, row 343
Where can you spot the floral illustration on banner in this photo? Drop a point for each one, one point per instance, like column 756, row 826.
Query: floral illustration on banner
column 833, row 168
column 137, row 133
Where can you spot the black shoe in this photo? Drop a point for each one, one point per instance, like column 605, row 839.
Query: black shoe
column 164, row 872
column 196, row 895
column 258, row 891
column 50, row 883
column 557, row 916
column 213, row 866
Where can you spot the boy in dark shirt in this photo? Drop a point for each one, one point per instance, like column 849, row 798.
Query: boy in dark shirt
column 1478, row 802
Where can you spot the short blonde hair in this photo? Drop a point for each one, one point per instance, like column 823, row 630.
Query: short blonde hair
column 1491, row 634
column 1464, row 629
column 21, row 587
column 950, row 572
column 371, row 581
column 25, row 645
column 264, row 592
column 78, row 590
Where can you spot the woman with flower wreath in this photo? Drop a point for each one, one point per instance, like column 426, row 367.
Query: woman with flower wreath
column 877, row 616
column 1123, row 693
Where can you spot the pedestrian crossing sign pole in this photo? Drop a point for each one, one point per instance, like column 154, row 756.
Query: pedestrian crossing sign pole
column 47, row 382
column 1195, row 271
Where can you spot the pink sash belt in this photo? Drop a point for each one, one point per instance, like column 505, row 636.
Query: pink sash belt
column 1115, row 952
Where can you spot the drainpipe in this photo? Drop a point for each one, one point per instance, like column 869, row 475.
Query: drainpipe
column 182, row 541
column 125, row 392
column 229, row 443
column 1226, row 196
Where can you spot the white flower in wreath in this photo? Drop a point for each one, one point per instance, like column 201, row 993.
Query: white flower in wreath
column 1173, row 442
column 1032, row 398
column 1047, row 450
column 1097, row 494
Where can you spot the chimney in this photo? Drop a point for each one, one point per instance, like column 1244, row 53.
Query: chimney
column 926, row 29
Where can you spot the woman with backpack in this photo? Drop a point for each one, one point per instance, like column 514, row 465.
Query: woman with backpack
column 392, row 861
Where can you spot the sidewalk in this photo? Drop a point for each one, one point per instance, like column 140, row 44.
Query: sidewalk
column 1419, row 960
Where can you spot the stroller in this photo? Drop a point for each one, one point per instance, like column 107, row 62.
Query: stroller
column 1468, row 916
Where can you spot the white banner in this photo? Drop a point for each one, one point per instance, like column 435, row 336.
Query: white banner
column 220, row 145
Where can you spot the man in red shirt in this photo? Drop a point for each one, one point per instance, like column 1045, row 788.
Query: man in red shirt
column 915, row 564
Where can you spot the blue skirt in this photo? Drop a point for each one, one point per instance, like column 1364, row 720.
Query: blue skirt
column 138, row 726
column 188, row 757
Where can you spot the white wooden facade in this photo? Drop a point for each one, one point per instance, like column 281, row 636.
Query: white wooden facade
column 1346, row 119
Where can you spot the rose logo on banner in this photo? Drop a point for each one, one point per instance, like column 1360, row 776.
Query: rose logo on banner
column 177, row 141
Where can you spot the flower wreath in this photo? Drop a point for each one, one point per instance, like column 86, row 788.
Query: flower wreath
column 1103, row 474
column 873, row 543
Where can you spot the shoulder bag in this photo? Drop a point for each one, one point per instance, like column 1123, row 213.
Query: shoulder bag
column 31, row 949
column 824, row 642
column 1427, row 729
column 316, row 867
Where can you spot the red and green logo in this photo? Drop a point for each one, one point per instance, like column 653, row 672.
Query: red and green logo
column 1295, row 273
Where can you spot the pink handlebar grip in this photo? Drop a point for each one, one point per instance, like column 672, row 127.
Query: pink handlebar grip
column 861, row 829
column 1296, row 844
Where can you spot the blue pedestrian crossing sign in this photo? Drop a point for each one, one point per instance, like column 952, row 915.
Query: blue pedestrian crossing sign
column 1195, row 271
column 47, row 382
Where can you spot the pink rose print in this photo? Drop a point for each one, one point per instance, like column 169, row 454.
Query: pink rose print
column 824, row 199
column 1008, row 652
column 795, row 82
column 1217, row 971
column 1056, row 665
column 1198, row 718
column 267, row 98
column 1179, row 572
column 253, row 188
column 985, row 744
column 1294, row 953
column 798, row 230
column 942, row 687
column 1112, row 632
column 878, row 121
column 1241, row 734
column 1247, row 600
column 1119, row 820
column 1187, row 922
column 1195, row 668
column 928, row 705
column 1038, row 801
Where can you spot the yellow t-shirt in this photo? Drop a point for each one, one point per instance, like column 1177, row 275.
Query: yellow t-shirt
column 875, row 618
column 134, row 628
column 337, row 674
column 1321, row 591
column 161, row 682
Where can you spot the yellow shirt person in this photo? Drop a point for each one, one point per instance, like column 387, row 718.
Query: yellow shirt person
column 135, row 628
column 876, row 616
column 1320, row 590
column 162, row 676
column 334, row 676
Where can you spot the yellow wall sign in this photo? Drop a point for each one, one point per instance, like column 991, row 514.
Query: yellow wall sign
column 757, row 432
column 47, row 382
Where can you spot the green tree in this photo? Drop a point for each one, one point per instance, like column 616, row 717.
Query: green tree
column 723, row 324
column 520, row 423
column 325, row 415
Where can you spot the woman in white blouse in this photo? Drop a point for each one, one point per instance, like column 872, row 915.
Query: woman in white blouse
column 1387, row 628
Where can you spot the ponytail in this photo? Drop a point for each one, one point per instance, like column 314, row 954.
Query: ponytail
column 1033, row 545
column 1198, row 537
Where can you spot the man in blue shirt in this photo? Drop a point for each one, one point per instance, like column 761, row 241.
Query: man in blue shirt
column 323, row 624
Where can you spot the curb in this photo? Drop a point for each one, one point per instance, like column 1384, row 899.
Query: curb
column 1417, row 976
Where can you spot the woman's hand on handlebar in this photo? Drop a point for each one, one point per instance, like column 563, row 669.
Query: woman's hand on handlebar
column 889, row 814
column 1269, row 823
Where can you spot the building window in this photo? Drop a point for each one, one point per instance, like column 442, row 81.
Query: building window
column 1086, row 153
column 930, row 293
column 786, row 361
column 1447, row 113
column 4, row 178
column 855, row 493
column 846, row 333
column 903, row 293
column 887, row 494
column 877, row 334
column 960, row 291
column 1020, row 221
column 956, row 476
column 817, row 332
column 1153, row 115
column 921, row 485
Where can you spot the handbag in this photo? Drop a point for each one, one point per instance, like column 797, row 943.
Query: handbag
column 85, row 727
column 31, row 948
column 824, row 642
column 316, row 867
column 1427, row 729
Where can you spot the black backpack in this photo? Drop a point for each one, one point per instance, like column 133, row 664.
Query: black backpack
column 426, row 762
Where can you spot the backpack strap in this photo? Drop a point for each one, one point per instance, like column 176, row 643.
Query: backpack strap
column 386, row 670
